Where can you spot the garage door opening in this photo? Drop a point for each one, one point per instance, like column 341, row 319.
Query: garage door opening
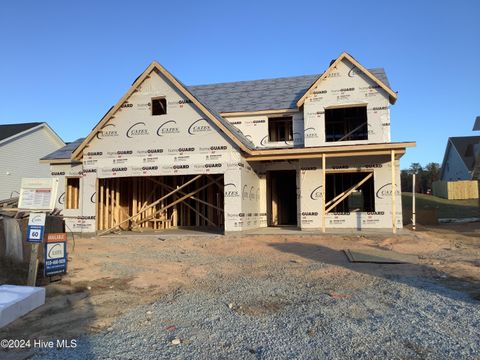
column 161, row 202
column 282, row 197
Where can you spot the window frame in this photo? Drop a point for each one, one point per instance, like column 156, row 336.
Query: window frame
column 155, row 99
column 68, row 201
column 348, row 131
column 287, row 129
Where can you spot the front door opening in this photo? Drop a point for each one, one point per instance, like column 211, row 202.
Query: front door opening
column 282, row 197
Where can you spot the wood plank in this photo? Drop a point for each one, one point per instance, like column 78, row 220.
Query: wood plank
column 156, row 202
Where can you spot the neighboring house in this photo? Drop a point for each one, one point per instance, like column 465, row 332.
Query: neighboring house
column 21, row 147
column 460, row 156
column 312, row 152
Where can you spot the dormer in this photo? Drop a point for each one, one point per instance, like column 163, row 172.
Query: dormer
column 347, row 105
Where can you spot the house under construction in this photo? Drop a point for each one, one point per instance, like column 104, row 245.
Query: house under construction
column 309, row 151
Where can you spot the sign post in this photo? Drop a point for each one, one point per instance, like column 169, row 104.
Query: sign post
column 37, row 196
column 35, row 231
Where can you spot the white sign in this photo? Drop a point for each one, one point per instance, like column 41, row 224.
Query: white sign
column 38, row 194
column 55, row 250
column 37, row 219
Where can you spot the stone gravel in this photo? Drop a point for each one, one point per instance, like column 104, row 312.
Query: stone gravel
column 282, row 314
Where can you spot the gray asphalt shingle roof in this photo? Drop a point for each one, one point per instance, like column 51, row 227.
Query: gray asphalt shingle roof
column 9, row 130
column 266, row 94
column 254, row 95
column 476, row 125
column 64, row 152
column 465, row 146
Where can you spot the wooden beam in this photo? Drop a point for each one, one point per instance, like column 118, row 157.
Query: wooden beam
column 348, row 192
column 168, row 187
column 338, row 196
column 152, row 204
column 394, row 197
column 181, row 199
column 324, row 195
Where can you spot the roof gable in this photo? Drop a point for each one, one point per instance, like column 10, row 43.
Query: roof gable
column 10, row 130
column 466, row 147
column 229, row 130
column 385, row 86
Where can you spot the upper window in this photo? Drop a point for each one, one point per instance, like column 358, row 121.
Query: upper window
column 72, row 198
column 343, row 124
column 280, row 129
column 159, row 106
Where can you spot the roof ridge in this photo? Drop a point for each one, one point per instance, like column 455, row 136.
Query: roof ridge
column 249, row 81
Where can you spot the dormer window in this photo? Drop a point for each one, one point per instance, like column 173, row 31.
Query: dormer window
column 159, row 106
column 346, row 123
column 280, row 129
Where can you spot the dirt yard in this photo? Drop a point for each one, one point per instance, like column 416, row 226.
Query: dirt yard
column 114, row 275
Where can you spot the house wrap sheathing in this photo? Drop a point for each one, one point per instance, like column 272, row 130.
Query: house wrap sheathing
column 309, row 151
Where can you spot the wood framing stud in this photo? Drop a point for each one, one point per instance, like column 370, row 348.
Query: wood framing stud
column 394, row 197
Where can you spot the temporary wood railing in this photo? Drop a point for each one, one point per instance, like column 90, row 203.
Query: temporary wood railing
column 340, row 197
column 186, row 196
column 115, row 194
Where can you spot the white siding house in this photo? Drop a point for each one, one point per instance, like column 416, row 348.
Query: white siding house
column 21, row 147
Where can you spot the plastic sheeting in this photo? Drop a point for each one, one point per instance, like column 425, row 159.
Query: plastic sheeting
column 13, row 239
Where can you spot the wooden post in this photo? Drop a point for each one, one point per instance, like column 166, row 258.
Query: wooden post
column 107, row 199
column 394, row 197
column 413, row 203
column 99, row 205
column 33, row 267
column 324, row 194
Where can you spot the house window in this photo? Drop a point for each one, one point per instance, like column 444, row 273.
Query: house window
column 361, row 199
column 72, row 193
column 159, row 106
column 343, row 124
column 280, row 129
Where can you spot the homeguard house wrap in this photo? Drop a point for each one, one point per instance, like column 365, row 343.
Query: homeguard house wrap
column 308, row 151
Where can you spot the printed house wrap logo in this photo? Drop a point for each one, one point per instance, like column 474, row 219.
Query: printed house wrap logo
column 199, row 127
column 386, row 191
column 316, row 193
column 137, row 129
column 107, row 131
column 61, row 199
column 231, row 190
column 168, row 128
column 310, row 133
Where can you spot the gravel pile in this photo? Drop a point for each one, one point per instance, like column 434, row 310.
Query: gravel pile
column 280, row 313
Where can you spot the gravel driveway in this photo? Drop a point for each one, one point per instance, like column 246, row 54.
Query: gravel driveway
column 311, row 305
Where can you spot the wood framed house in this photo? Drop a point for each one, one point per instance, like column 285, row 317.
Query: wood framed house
column 312, row 152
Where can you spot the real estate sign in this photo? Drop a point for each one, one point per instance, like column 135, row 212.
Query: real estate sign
column 38, row 194
column 55, row 254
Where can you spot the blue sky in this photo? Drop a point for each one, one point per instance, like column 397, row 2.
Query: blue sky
column 67, row 62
